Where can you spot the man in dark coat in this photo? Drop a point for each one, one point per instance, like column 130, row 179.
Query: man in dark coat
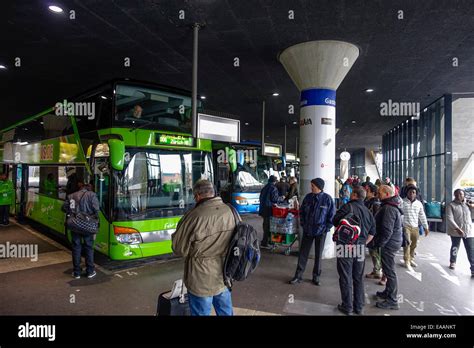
column 268, row 197
column 389, row 238
column 283, row 187
column 351, row 258
column 316, row 214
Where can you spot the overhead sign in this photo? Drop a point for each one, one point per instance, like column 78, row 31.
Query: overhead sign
column 290, row 157
column 272, row 150
column 174, row 140
column 218, row 128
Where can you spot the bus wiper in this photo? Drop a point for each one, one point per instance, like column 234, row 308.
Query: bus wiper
column 142, row 125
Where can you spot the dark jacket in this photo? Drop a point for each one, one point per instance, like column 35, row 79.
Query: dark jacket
column 84, row 202
column 365, row 217
column 293, row 191
column 389, row 225
column 283, row 188
column 317, row 212
column 373, row 204
column 268, row 197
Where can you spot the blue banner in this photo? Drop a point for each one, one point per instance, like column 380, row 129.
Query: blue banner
column 318, row 96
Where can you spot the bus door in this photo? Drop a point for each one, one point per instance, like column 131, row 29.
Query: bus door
column 100, row 165
column 19, row 178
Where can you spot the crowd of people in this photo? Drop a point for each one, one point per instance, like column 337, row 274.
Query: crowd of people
column 389, row 218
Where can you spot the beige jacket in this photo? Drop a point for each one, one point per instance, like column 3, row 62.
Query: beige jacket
column 202, row 237
column 458, row 215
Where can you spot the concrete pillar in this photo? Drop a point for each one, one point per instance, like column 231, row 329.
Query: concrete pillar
column 317, row 68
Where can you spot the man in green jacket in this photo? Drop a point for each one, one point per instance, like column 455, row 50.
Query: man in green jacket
column 6, row 198
column 202, row 237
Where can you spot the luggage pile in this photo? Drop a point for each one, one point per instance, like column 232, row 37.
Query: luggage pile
column 284, row 227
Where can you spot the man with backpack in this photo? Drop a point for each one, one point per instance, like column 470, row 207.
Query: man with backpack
column 202, row 237
column 357, row 222
column 85, row 203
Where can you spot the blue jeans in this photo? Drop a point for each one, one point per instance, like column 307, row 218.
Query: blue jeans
column 201, row 306
column 77, row 246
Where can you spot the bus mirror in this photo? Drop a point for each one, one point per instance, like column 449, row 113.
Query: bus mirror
column 117, row 153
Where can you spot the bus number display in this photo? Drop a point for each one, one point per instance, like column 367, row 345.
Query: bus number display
column 176, row 140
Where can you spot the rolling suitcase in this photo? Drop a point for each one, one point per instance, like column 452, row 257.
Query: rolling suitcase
column 174, row 302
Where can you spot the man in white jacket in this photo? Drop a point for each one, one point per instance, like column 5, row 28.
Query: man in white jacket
column 459, row 227
column 413, row 215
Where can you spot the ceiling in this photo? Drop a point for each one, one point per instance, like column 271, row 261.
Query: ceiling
column 409, row 59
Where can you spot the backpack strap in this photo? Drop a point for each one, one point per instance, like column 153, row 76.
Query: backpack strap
column 235, row 213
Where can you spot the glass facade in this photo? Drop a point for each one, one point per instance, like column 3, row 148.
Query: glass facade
column 421, row 149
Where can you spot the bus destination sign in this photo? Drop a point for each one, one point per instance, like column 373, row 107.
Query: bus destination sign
column 174, row 140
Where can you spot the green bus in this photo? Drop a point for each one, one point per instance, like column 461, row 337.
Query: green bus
column 131, row 142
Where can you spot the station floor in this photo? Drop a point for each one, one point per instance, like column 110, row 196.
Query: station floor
column 45, row 287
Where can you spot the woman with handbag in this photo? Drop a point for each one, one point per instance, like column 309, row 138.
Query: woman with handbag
column 82, row 219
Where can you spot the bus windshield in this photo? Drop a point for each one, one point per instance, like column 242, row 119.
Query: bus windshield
column 248, row 179
column 158, row 183
column 143, row 107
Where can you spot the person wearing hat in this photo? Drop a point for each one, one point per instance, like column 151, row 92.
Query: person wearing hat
column 268, row 196
column 316, row 213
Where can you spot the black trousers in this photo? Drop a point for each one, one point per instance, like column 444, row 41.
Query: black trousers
column 305, row 248
column 266, row 230
column 4, row 214
column 388, row 268
column 468, row 244
column 351, row 283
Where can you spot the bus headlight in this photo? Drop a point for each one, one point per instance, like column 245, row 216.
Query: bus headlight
column 241, row 200
column 127, row 235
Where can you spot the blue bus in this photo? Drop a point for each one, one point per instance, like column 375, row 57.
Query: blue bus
column 241, row 172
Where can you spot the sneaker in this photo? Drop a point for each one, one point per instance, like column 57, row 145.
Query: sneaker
column 387, row 305
column 294, row 281
column 374, row 275
column 343, row 310
column 92, row 275
column 381, row 294
column 360, row 312
column 316, row 281
column 413, row 264
column 383, row 281
column 76, row 276
column 452, row 265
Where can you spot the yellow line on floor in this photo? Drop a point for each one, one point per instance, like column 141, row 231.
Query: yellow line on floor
column 247, row 312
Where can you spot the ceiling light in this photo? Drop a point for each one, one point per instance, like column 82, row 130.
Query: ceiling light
column 103, row 97
column 369, row 90
column 353, row 121
column 3, row 67
column 246, row 123
column 55, row 9
column 295, row 122
column 203, row 97
column 276, row 94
